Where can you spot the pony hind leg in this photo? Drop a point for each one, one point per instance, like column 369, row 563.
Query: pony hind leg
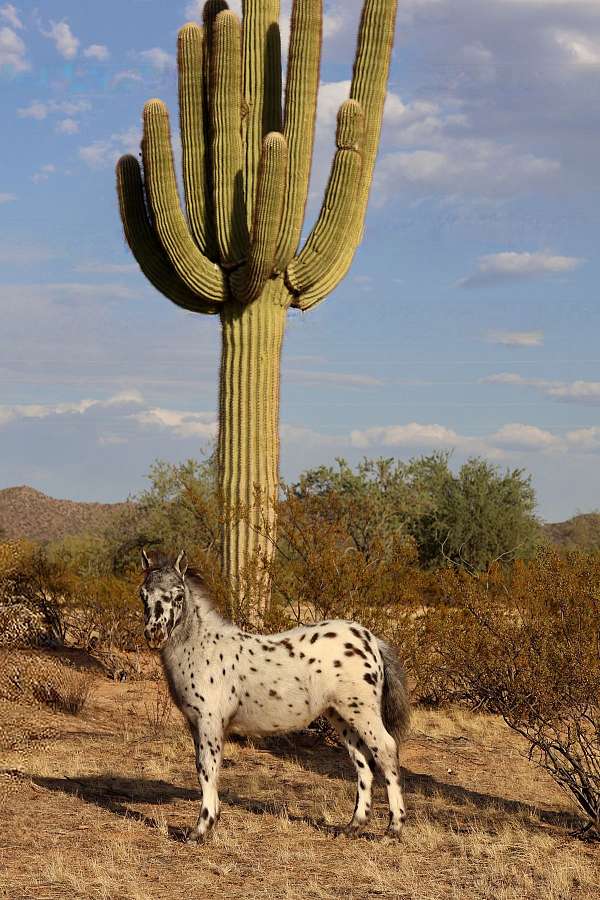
column 364, row 765
column 367, row 722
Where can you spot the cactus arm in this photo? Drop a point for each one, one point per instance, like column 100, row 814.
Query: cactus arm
column 369, row 84
column 227, row 151
column 261, row 76
column 192, row 112
column 302, row 87
column 195, row 270
column 327, row 252
column 249, row 282
column 144, row 244
column 369, row 81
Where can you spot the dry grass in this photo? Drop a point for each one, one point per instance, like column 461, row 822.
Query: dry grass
column 107, row 803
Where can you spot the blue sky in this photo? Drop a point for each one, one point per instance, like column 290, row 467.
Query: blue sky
column 470, row 318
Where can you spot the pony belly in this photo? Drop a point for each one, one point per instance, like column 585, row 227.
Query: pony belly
column 266, row 714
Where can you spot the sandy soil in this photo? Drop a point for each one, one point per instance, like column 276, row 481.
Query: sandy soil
column 95, row 805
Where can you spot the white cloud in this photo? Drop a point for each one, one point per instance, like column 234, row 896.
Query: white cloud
column 43, row 411
column 331, row 96
column 124, row 398
column 470, row 165
column 179, row 423
column 413, row 434
column 511, row 266
column 567, row 391
column 126, row 76
column 583, row 391
column 12, row 51
column 584, row 439
column 514, row 437
column 517, row 436
column 67, row 126
column 333, row 23
column 68, row 108
column 64, row 40
column 101, row 154
column 43, row 173
column 35, row 110
column 10, row 14
column 509, row 378
column 7, row 198
column 580, row 50
column 516, row 338
column 299, row 435
column 78, row 289
column 98, row 52
column 159, row 59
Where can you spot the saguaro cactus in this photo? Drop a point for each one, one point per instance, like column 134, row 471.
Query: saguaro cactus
column 234, row 252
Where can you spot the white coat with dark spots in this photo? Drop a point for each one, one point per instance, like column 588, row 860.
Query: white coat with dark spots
column 227, row 680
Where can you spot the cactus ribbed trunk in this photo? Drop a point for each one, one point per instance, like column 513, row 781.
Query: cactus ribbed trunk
column 252, row 338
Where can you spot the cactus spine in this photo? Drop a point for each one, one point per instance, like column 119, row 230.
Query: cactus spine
column 234, row 251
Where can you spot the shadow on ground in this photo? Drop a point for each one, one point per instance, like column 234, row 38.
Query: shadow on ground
column 115, row 794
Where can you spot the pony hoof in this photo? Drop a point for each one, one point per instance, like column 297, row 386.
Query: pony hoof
column 394, row 832
column 194, row 837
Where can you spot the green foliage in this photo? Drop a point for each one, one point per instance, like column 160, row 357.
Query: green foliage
column 469, row 518
column 87, row 555
column 320, row 571
column 476, row 516
column 375, row 503
column 179, row 509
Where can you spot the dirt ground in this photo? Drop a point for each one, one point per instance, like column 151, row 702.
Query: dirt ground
column 95, row 806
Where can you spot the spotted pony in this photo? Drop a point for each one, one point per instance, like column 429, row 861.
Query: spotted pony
column 225, row 680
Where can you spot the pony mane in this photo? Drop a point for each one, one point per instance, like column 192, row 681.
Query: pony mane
column 195, row 579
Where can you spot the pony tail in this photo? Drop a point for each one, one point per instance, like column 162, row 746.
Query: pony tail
column 395, row 703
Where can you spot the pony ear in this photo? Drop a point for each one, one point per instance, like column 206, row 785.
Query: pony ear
column 181, row 563
column 145, row 561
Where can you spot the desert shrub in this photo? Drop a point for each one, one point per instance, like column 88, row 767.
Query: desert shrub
column 85, row 555
column 524, row 644
column 39, row 679
column 319, row 572
column 104, row 613
column 158, row 711
column 32, row 592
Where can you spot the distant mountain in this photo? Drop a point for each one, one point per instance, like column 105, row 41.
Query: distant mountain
column 25, row 512
column 579, row 533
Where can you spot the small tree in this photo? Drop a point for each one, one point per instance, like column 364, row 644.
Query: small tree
column 376, row 502
column 474, row 517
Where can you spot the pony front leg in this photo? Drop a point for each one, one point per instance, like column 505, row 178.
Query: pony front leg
column 209, row 752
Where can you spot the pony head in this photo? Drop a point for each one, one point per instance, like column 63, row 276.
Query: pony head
column 163, row 595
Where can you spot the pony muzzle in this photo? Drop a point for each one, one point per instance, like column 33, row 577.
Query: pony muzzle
column 156, row 636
